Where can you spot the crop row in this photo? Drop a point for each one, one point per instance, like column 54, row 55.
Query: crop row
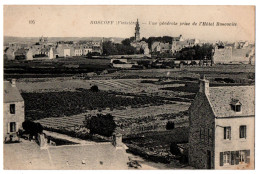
column 67, row 103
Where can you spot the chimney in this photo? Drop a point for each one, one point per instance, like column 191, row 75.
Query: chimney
column 117, row 140
column 13, row 83
column 204, row 85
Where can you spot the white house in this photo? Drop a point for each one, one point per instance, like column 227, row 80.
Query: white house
column 13, row 110
column 222, row 128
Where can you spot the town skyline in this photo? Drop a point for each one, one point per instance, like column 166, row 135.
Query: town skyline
column 79, row 19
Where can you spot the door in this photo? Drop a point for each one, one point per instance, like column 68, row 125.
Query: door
column 208, row 159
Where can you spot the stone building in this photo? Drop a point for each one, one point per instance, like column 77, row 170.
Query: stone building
column 160, row 47
column 13, row 110
column 179, row 45
column 140, row 46
column 230, row 54
column 221, row 134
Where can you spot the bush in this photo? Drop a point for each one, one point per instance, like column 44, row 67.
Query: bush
column 94, row 88
column 170, row 125
column 193, row 63
column 174, row 149
column 183, row 63
column 101, row 124
column 32, row 128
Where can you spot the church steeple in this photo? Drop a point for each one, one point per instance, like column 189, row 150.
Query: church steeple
column 137, row 31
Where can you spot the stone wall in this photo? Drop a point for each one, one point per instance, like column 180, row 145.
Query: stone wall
column 201, row 121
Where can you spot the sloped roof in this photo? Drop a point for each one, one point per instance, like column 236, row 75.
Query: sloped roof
column 221, row 99
column 21, row 51
column 176, row 38
column 182, row 43
column 10, row 50
column 11, row 94
column 165, row 46
column 28, row 155
column 95, row 156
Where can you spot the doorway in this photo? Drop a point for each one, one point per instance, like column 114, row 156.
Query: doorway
column 208, row 159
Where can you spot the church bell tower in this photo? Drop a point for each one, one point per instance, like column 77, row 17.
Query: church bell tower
column 137, row 31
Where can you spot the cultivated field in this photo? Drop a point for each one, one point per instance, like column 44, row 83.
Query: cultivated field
column 127, row 114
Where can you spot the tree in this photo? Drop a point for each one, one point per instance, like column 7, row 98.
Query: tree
column 126, row 42
column 170, row 125
column 101, row 124
column 89, row 55
column 94, row 88
column 196, row 52
column 109, row 48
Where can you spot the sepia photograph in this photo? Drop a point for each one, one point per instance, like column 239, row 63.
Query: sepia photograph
column 128, row 87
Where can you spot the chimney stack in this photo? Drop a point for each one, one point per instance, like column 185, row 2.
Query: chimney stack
column 204, row 85
column 117, row 140
column 13, row 83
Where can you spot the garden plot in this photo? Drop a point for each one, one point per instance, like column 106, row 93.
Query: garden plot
column 118, row 85
column 77, row 120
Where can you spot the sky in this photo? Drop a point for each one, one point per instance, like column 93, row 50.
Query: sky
column 81, row 21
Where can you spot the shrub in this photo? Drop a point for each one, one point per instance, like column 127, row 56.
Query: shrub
column 32, row 128
column 94, row 88
column 174, row 149
column 170, row 125
column 101, row 124
column 193, row 63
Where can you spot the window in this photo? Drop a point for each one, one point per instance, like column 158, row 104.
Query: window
column 202, row 134
column 242, row 156
column 226, row 158
column 242, row 131
column 234, row 157
column 236, row 108
column 12, row 108
column 209, row 135
column 227, row 133
column 235, row 105
column 12, row 127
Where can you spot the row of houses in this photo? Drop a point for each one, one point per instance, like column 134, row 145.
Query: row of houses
column 43, row 50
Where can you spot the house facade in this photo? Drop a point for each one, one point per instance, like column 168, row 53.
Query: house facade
column 221, row 134
column 13, row 110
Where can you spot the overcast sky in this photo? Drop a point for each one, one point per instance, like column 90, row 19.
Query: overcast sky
column 75, row 21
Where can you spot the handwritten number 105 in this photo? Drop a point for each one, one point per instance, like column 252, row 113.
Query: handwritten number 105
column 31, row 21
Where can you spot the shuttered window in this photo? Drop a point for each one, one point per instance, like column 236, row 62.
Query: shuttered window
column 226, row 158
column 227, row 133
column 247, row 156
column 234, row 157
column 221, row 159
